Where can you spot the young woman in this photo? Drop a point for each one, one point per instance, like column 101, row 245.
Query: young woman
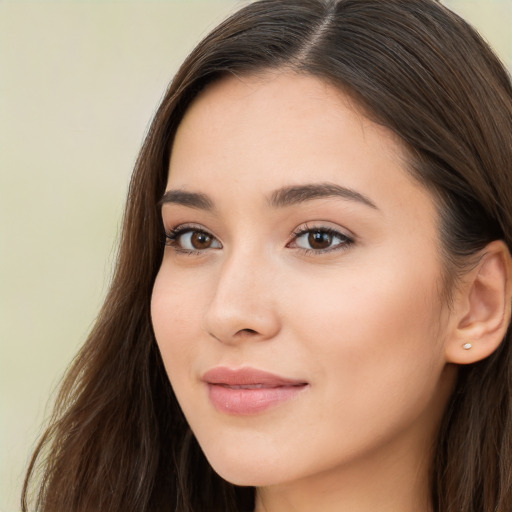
column 311, row 303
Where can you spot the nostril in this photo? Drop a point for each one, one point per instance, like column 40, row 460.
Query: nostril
column 247, row 331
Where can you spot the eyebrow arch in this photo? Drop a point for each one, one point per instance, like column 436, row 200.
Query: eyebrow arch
column 191, row 199
column 297, row 194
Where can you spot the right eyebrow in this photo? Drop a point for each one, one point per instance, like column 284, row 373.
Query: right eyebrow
column 190, row 199
column 297, row 194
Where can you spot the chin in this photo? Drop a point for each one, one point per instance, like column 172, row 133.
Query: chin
column 245, row 472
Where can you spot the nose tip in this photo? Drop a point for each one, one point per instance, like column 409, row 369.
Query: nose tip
column 243, row 306
column 231, row 326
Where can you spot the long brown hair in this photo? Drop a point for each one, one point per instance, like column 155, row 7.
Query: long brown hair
column 118, row 440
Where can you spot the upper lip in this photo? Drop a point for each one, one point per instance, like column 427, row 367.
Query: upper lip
column 247, row 376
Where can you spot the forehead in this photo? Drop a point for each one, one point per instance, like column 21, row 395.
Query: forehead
column 272, row 112
column 252, row 135
column 278, row 104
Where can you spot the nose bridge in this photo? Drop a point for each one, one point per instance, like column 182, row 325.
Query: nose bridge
column 243, row 302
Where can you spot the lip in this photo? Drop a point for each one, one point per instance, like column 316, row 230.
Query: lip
column 245, row 391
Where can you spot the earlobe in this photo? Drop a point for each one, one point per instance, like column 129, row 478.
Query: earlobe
column 483, row 307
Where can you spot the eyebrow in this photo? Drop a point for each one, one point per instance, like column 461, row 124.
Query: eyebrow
column 190, row 199
column 297, row 194
column 286, row 196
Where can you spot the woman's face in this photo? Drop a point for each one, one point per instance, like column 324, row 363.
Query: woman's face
column 298, row 306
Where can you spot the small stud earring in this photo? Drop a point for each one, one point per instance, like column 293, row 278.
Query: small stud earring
column 467, row 346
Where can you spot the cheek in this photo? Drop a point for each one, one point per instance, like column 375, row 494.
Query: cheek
column 373, row 330
column 175, row 315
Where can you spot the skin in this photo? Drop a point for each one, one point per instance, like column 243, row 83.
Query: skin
column 363, row 323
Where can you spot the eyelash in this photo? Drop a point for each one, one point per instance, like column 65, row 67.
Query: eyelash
column 172, row 236
column 346, row 240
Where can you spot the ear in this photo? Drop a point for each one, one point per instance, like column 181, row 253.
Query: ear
column 482, row 307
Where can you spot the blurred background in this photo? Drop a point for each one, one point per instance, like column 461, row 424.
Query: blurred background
column 79, row 82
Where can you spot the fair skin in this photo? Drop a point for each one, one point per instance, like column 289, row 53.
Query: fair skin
column 337, row 288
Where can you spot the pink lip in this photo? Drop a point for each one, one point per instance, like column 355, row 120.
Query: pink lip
column 247, row 390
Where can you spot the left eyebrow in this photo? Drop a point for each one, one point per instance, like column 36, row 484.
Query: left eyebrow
column 288, row 196
column 190, row 199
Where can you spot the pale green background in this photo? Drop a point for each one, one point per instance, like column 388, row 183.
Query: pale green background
column 79, row 81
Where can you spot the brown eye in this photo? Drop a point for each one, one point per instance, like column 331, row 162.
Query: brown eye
column 319, row 240
column 192, row 240
column 200, row 240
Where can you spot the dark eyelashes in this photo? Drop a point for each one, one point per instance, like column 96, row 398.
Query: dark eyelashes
column 343, row 241
column 174, row 233
column 337, row 240
column 329, row 231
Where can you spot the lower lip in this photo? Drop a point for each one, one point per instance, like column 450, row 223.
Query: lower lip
column 250, row 401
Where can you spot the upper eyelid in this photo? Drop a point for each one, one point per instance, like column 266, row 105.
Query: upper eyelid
column 301, row 231
column 179, row 231
column 186, row 226
column 322, row 226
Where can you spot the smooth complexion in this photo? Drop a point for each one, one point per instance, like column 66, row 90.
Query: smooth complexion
column 300, row 246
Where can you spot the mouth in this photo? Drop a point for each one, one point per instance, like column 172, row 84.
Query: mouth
column 248, row 391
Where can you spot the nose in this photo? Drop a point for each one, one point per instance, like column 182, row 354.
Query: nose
column 244, row 302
